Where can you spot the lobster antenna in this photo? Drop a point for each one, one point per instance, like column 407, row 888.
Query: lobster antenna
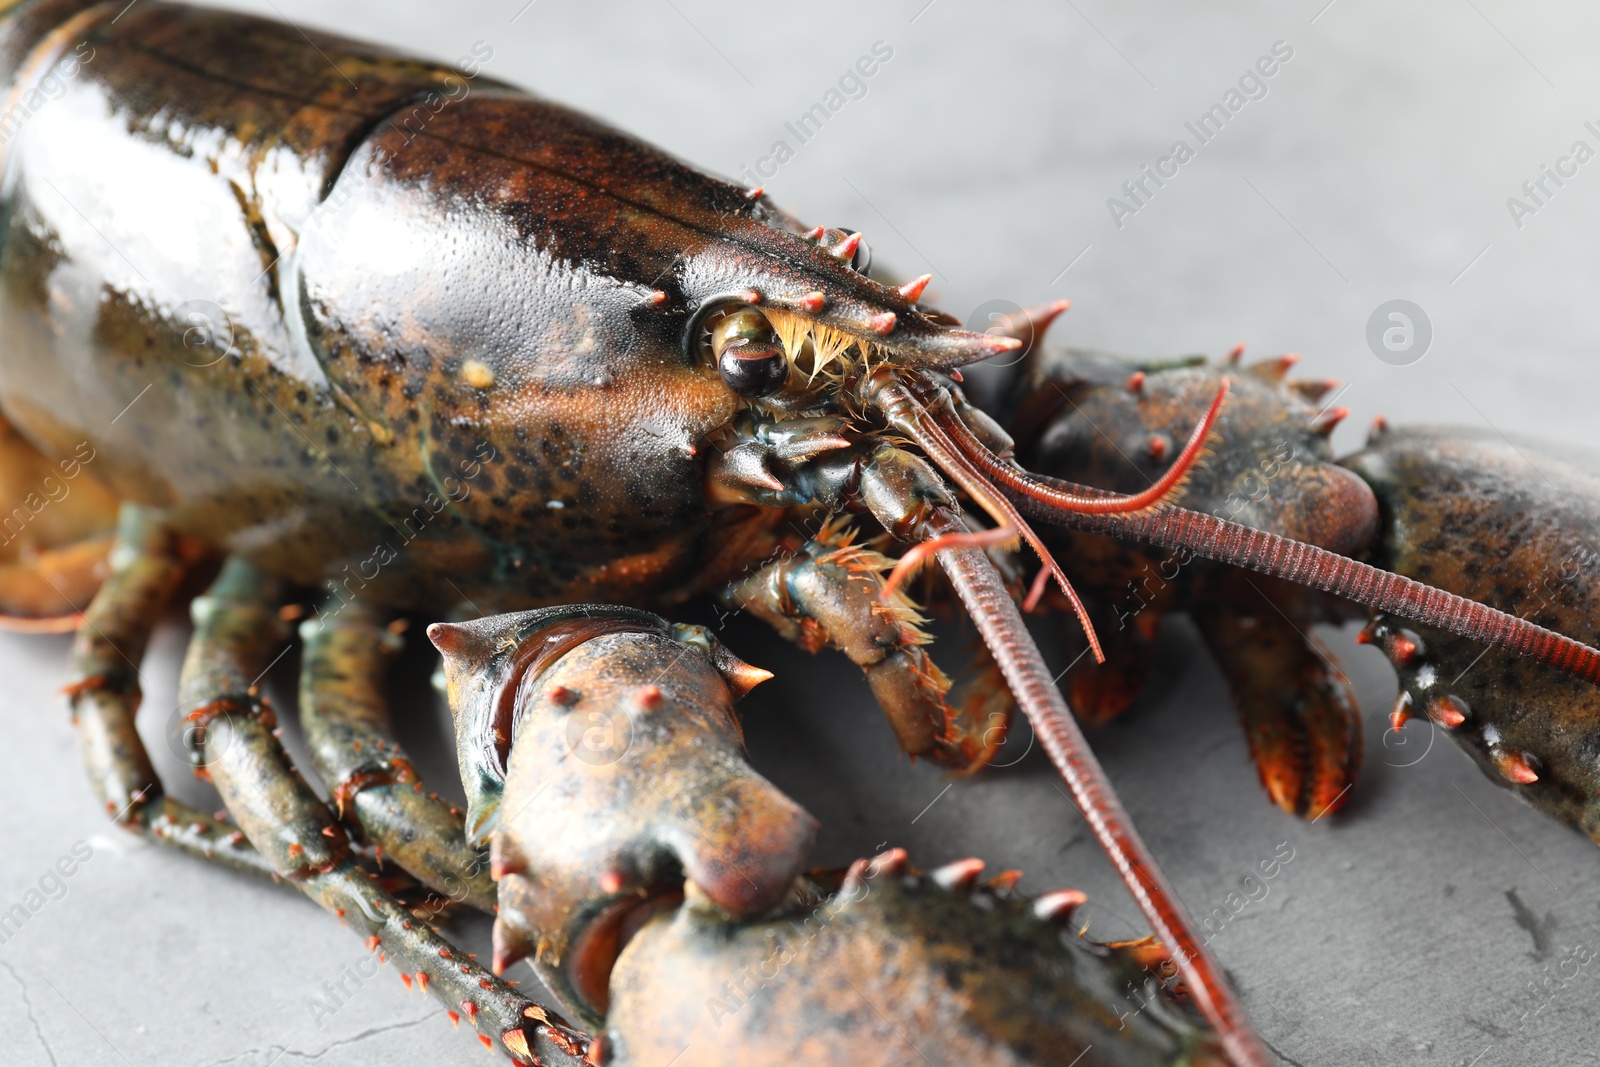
column 989, row 604
column 1054, row 501
column 992, row 610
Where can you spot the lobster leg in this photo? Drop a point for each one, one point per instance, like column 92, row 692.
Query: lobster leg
column 830, row 592
column 237, row 629
column 1298, row 710
column 104, row 695
column 373, row 785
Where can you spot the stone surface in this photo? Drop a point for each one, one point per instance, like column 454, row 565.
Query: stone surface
column 1377, row 166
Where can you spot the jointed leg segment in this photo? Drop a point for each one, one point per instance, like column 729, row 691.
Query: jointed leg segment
column 237, row 631
column 104, row 695
column 371, row 782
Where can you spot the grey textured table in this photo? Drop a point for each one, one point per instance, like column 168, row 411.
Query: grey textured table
column 1374, row 164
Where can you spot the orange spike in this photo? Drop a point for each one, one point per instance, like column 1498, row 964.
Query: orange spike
column 1403, row 649
column 816, row 233
column 406, row 978
column 1274, row 370
column 1449, row 711
column 372, row 942
column 471, row 1008
column 740, row 676
column 559, row 694
column 517, row 1042
column 1236, row 352
column 455, row 1020
column 1515, row 767
column 449, row 638
column 1059, row 905
column 649, row 698
column 913, row 289
column 657, row 296
column 1030, row 325
column 846, row 248
column 755, row 193
column 486, row 1042
column 893, row 861
column 1135, row 382
column 1314, row 389
column 1402, row 711
column 422, row 981
column 1005, row 880
column 1327, row 420
column 813, row 302
column 883, row 324
column 611, row 883
column 960, row 875
column 750, row 296
column 1157, row 447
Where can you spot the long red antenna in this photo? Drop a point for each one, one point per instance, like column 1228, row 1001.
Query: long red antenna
column 1304, row 564
column 989, row 604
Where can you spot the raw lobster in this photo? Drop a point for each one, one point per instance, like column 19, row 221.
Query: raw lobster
column 418, row 341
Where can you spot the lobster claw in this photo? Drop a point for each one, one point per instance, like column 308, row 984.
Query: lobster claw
column 625, row 775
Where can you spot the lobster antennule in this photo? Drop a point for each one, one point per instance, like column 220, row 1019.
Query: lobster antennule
column 1091, row 501
column 906, row 413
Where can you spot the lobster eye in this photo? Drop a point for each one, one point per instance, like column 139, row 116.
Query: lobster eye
column 749, row 356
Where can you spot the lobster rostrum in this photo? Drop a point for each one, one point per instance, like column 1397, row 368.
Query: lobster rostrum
column 629, row 819
column 386, row 330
